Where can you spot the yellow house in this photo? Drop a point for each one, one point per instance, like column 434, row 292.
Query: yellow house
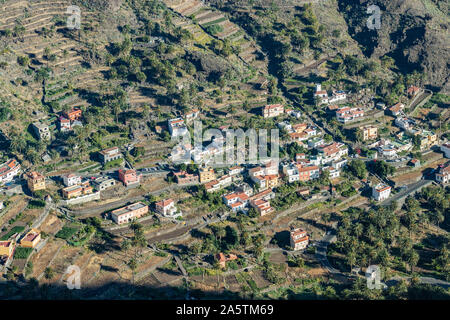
column 35, row 181
column 31, row 239
column 6, row 248
column 206, row 174
column 427, row 139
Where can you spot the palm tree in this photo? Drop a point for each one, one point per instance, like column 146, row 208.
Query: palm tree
column 132, row 264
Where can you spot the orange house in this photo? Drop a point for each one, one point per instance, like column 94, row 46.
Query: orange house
column 73, row 115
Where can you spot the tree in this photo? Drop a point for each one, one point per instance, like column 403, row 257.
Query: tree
column 49, row 273
column 357, row 168
column 132, row 264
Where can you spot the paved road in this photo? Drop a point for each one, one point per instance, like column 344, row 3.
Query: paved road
column 321, row 252
column 411, row 188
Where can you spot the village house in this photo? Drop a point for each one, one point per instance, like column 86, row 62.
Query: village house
column 404, row 123
column 299, row 239
column 415, row 163
column 347, row 114
column 442, row 174
column 262, row 206
column 320, row 95
column 236, row 201
column 222, row 259
column 9, row 170
column 7, row 248
column 235, row 170
column 72, row 115
column 183, row 178
column 206, row 174
column 333, row 172
column 192, row 115
column 413, row 91
column 177, row 127
column 272, row 110
column 167, row 208
column 337, row 96
column 427, row 139
column 103, row 183
column 77, row 190
column 64, row 124
column 110, row 154
column 71, row 179
column 35, row 181
column 41, row 130
column 31, row 239
column 369, row 132
column 381, row 192
column 129, row 177
column 128, row 213
column 396, row 109
column 331, row 152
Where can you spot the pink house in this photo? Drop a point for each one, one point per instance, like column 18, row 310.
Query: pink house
column 129, row 177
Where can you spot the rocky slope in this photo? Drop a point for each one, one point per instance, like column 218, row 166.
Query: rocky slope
column 413, row 32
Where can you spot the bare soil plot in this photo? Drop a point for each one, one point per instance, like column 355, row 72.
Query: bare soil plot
column 52, row 224
column 44, row 257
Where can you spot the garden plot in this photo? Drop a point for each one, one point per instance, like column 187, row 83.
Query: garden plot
column 232, row 284
column 258, row 277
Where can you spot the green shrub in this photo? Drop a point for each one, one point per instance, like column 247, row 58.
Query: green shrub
column 22, row 253
column 66, row 233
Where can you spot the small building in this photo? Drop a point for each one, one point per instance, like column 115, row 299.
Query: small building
column 31, row 239
column 128, row 213
column 412, row 91
column 64, row 124
column 206, row 174
column 77, row 191
column 415, row 162
column 71, row 179
column 177, row 127
column 9, row 170
column 167, row 208
column 262, row 206
column 110, row 154
column 35, row 181
column 369, row 132
column 183, row 177
column 299, row 239
column 443, row 174
column 224, row 258
column 104, row 183
column 272, row 110
column 42, row 131
column 396, row 109
column 236, row 201
column 129, row 177
column 381, row 192
column 74, row 114
column 7, row 248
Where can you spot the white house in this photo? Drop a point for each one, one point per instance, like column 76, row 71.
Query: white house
column 71, row 179
column 381, row 192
